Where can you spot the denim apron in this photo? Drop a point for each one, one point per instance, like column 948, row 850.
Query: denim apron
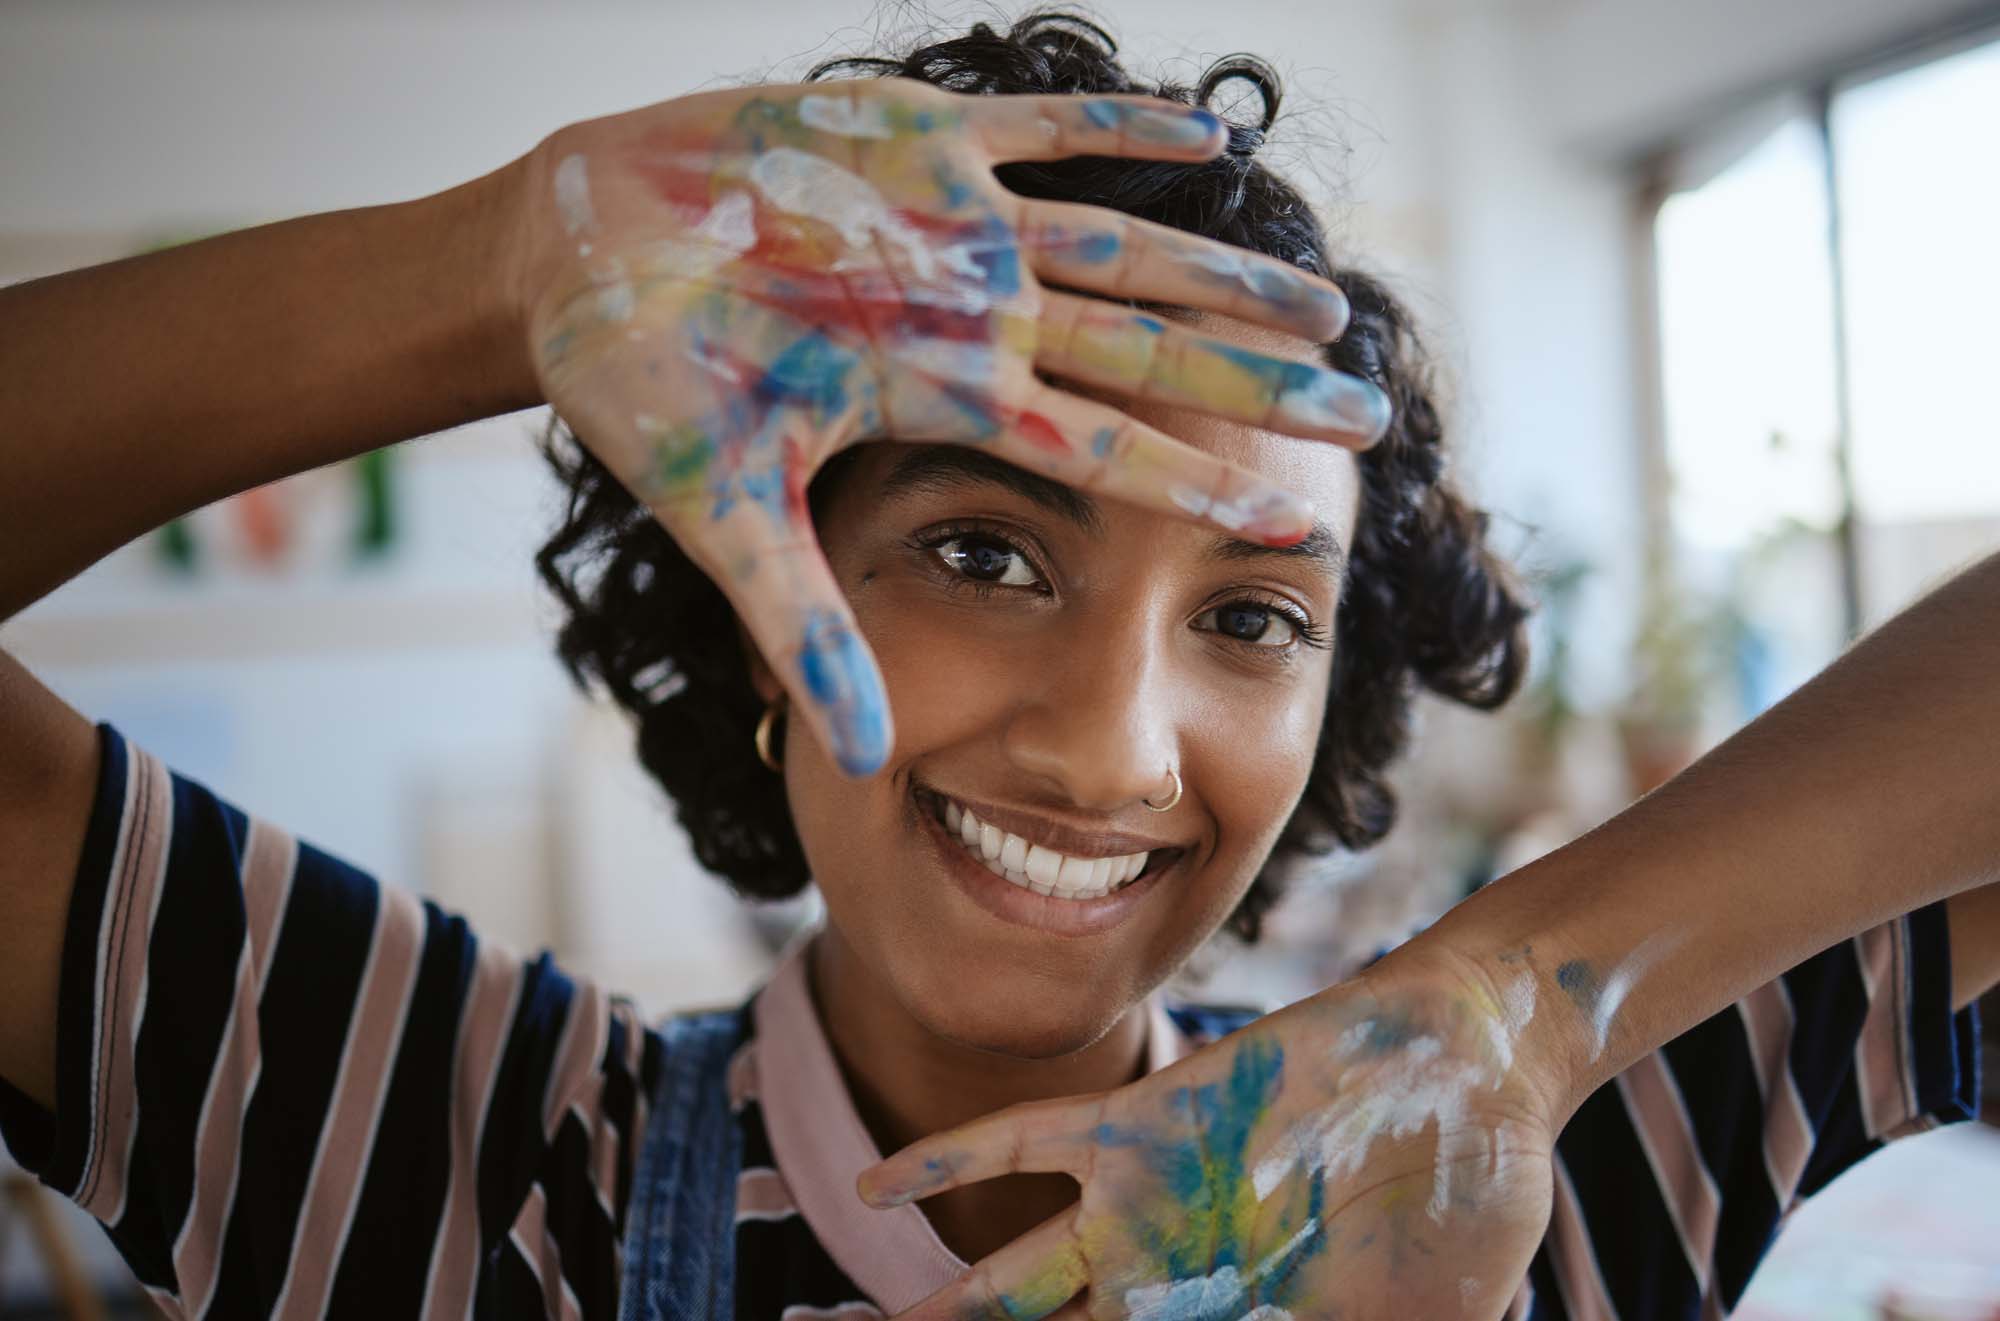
column 680, row 1227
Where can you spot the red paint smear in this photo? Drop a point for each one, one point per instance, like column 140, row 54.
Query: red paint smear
column 798, row 473
column 1041, row 433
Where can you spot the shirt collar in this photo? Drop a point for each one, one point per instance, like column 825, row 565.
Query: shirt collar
column 821, row 1146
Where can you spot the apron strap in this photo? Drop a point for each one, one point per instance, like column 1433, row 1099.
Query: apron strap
column 680, row 1241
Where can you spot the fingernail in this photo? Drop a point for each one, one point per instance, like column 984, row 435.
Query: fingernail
column 1192, row 127
column 1318, row 397
column 842, row 680
column 1270, row 514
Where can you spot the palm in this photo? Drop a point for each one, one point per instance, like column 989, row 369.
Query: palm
column 1372, row 1152
column 731, row 287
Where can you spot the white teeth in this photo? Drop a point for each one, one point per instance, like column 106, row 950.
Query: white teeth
column 1043, row 865
column 1037, row 867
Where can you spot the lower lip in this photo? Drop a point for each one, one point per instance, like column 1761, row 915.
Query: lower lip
column 1041, row 912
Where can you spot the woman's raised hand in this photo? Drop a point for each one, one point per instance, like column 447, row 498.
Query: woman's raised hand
column 1379, row 1152
column 724, row 290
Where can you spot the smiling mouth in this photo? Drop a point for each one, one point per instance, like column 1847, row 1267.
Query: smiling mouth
column 1036, row 867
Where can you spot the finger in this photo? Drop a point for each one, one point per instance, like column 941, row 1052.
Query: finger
column 1109, row 345
column 1105, row 251
column 1048, row 128
column 1035, row 1137
column 794, row 610
column 1094, row 447
column 1029, row 1279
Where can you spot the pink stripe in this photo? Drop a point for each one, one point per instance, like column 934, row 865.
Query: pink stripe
column 122, row 984
column 635, row 1057
column 1788, row 1139
column 742, row 1075
column 1661, row 1120
column 539, row 1249
column 268, row 857
column 585, row 1030
column 1578, row 1277
column 482, row 1027
column 374, row 1032
column 761, row 1195
column 1878, row 1056
column 270, row 860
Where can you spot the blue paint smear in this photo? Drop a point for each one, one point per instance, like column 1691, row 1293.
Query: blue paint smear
column 1100, row 441
column 811, row 374
column 840, row 677
column 995, row 253
column 1151, row 324
column 1206, row 1174
column 1098, row 247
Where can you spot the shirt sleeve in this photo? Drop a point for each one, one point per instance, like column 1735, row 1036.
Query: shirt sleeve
column 1672, row 1180
column 285, row 1089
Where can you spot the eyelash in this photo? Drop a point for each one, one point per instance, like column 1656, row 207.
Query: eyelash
column 1305, row 632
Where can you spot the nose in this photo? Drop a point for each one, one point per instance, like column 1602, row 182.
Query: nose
column 1102, row 725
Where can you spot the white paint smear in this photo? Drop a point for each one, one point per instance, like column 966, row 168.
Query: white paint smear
column 1417, row 1088
column 1216, row 1295
column 809, row 185
column 1620, row 982
column 573, row 194
column 858, row 118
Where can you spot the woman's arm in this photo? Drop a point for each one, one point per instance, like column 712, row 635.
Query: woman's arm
column 137, row 391
column 1340, row 1149
column 1870, row 792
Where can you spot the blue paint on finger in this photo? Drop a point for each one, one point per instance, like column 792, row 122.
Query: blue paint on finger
column 840, row 678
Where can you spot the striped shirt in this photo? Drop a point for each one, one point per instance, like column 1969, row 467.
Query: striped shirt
column 287, row 1090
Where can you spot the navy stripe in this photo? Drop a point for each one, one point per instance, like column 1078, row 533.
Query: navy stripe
column 619, row 1109
column 510, row 1141
column 309, row 996
column 578, row 1221
column 409, row 1170
column 1716, row 1072
column 191, row 960
column 1645, row 1270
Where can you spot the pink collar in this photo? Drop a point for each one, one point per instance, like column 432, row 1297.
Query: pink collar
column 821, row 1146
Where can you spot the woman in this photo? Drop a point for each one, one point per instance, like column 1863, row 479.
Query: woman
column 1139, row 647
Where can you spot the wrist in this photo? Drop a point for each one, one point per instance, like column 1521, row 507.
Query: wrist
column 1505, row 952
column 477, row 230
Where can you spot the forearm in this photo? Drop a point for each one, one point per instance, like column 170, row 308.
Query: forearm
column 139, row 390
column 1872, row 791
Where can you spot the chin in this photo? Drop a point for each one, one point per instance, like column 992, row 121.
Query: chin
column 1019, row 1016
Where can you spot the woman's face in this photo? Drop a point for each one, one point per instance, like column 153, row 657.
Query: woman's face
column 1048, row 657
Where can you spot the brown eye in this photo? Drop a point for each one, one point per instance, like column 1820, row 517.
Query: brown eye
column 986, row 560
column 1247, row 621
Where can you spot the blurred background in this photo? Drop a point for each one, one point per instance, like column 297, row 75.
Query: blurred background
column 1712, row 283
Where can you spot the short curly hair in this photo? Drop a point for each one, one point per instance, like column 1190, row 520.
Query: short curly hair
column 1426, row 601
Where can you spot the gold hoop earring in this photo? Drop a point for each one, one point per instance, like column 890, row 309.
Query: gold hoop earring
column 1175, row 797
column 762, row 738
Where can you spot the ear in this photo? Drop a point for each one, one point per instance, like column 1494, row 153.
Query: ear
column 763, row 679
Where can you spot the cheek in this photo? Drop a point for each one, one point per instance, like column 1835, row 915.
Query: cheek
column 1250, row 758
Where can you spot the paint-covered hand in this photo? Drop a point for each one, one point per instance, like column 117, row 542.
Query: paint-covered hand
column 723, row 290
column 1379, row 1152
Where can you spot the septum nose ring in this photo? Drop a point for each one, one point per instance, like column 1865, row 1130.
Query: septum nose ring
column 1172, row 798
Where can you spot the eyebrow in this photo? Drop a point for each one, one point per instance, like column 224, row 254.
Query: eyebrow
column 956, row 467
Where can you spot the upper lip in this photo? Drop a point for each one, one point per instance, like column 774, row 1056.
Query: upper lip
column 1078, row 843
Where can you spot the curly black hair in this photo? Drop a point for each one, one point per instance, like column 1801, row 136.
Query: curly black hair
column 1426, row 601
